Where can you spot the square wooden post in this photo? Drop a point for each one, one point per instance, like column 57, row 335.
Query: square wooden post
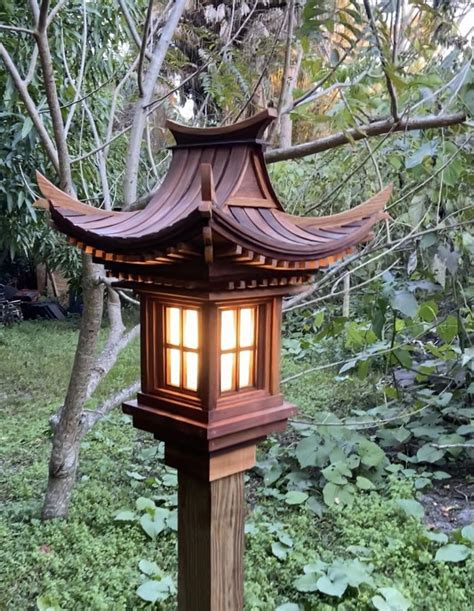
column 211, row 543
column 211, row 515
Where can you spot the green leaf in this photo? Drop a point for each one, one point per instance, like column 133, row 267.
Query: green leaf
column 427, row 149
column 428, row 311
column 295, row 497
column 135, row 475
column 411, row 508
column 404, row 302
column 143, row 504
column 315, row 506
column 448, row 329
column 154, row 590
column 334, row 586
column 149, row 568
column 280, row 550
column 364, row 484
column 148, row 526
column 337, row 473
column 391, row 600
column 436, row 537
column 337, row 495
column 306, row 583
column 429, row 454
column 371, row 455
column 401, row 434
column 27, row 125
column 468, row 533
column 403, row 357
column 452, row 553
column 306, row 451
column 125, row 516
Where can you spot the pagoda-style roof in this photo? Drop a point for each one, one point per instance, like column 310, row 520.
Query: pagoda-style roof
column 215, row 203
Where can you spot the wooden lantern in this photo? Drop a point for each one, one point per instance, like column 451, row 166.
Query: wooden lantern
column 211, row 257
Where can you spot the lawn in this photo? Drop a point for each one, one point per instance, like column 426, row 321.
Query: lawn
column 378, row 552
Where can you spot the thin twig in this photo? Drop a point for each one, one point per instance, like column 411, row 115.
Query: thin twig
column 15, row 28
column 390, row 86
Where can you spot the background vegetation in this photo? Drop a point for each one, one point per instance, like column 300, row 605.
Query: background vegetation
column 365, row 502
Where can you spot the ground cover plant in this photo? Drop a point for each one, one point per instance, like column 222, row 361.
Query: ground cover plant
column 368, row 541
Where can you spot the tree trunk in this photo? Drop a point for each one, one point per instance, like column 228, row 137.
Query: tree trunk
column 67, row 432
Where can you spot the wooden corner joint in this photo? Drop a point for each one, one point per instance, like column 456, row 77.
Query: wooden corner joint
column 214, row 466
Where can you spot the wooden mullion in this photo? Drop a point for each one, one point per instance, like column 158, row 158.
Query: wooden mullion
column 237, row 349
column 181, row 347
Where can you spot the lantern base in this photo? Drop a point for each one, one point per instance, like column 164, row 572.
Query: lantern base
column 206, row 438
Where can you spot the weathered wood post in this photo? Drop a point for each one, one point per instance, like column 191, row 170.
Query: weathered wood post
column 211, row 258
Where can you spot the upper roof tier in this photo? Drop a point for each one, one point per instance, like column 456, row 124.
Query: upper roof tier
column 217, row 191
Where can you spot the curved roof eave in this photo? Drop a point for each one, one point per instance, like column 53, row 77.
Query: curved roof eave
column 259, row 243
column 184, row 229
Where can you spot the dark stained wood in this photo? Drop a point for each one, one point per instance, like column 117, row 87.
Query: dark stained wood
column 217, row 194
column 210, row 543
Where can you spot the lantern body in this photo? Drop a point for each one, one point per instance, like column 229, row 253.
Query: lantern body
column 210, row 369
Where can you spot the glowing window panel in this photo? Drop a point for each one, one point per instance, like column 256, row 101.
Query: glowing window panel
column 227, row 371
column 228, row 329
column 190, row 370
column 173, row 326
column 190, row 329
column 245, row 368
column 174, row 367
column 246, row 327
column 238, row 348
column 182, row 344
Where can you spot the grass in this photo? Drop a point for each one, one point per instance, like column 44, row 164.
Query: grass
column 90, row 561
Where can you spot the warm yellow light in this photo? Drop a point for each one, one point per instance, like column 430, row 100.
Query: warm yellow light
column 227, row 372
column 174, row 367
column 228, row 329
column 191, row 329
column 190, row 370
column 173, row 326
column 247, row 327
column 182, row 362
column 245, row 368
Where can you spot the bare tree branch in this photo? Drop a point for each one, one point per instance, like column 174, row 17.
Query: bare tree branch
column 46, row 61
column 55, row 10
column 140, row 112
column 130, row 23
column 90, row 417
column 77, row 85
column 128, row 298
column 30, row 107
column 285, row 79
column 16, row 28
column 115, row 343
column 365, row 131
column 43, row 16
column 32, row 68
column 141, row 57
